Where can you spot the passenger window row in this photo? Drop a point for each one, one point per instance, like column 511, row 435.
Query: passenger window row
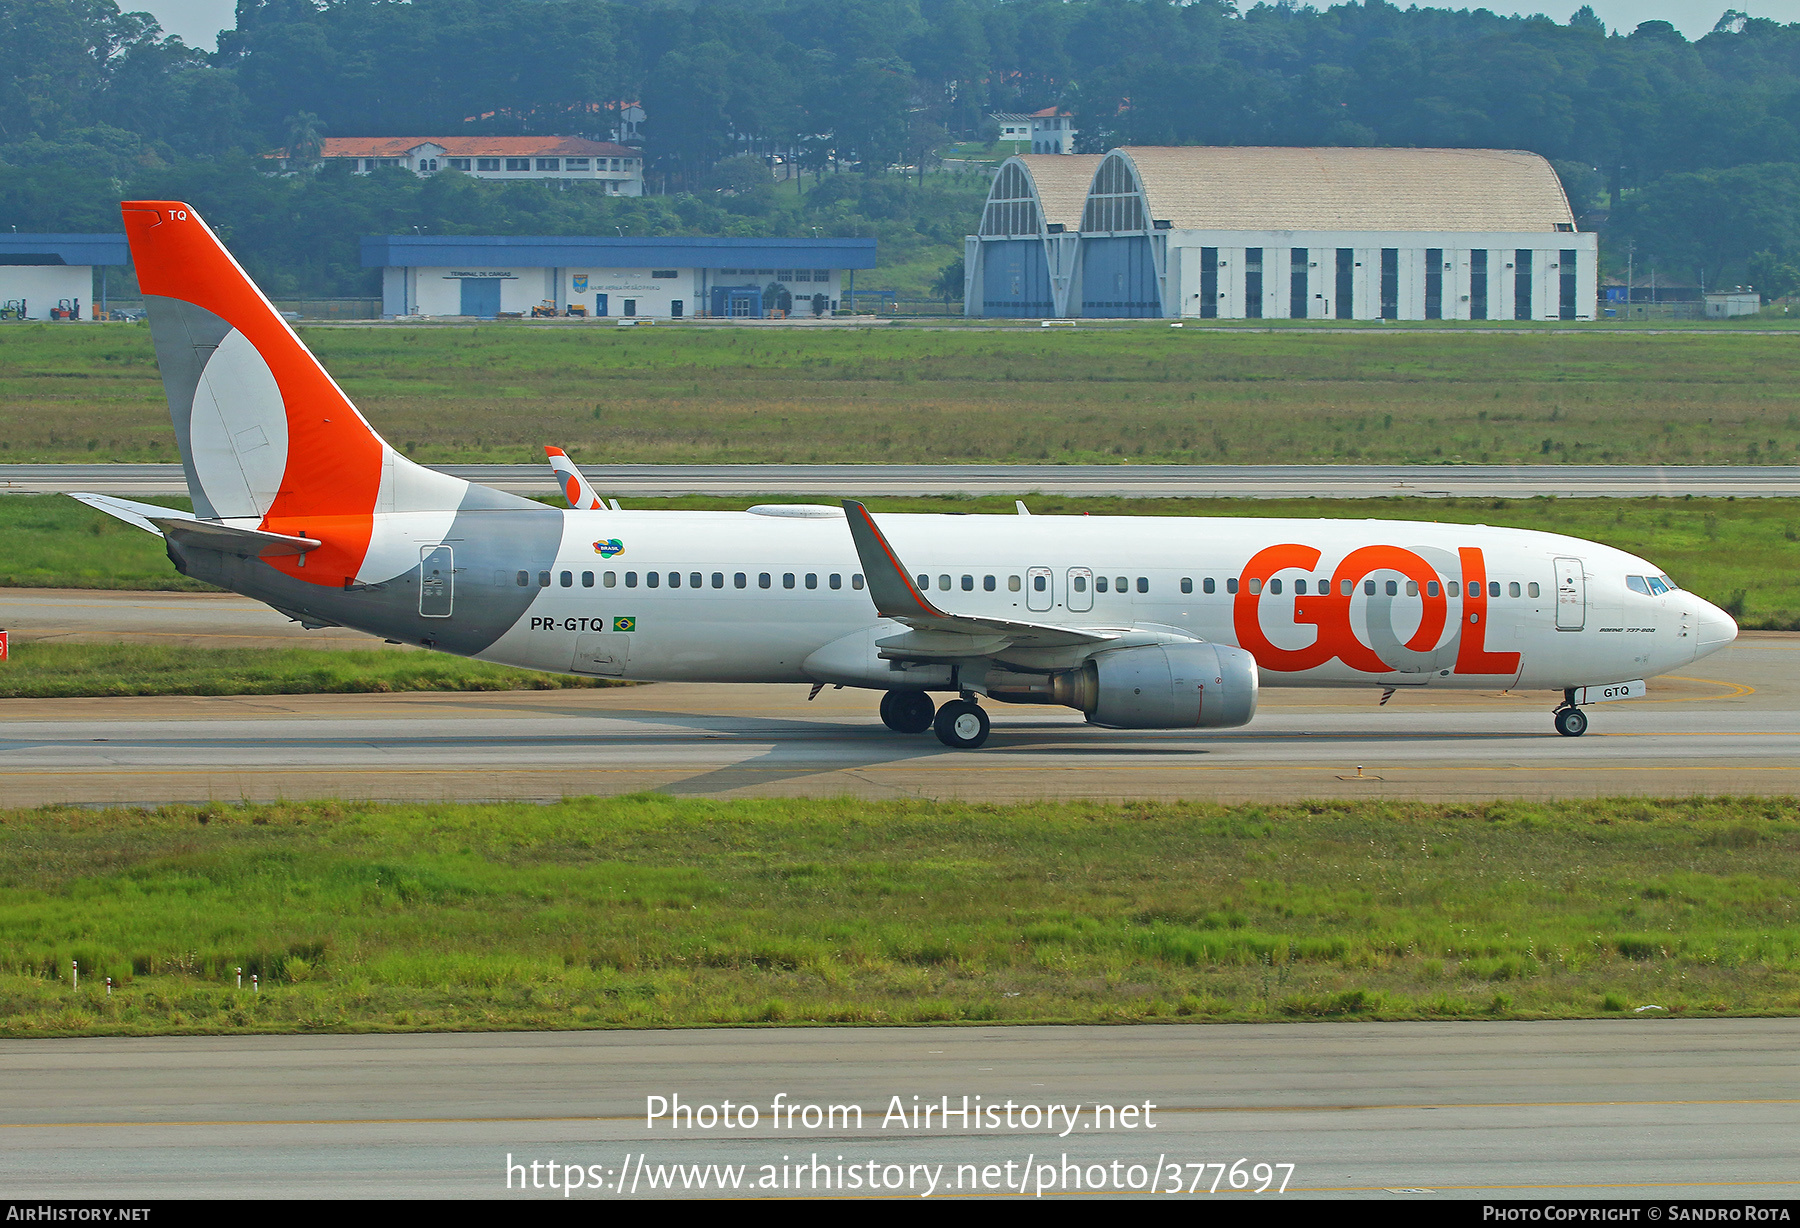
column 1346, row 588
column 694, row 579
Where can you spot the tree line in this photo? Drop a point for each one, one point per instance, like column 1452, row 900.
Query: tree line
column 1688, row 151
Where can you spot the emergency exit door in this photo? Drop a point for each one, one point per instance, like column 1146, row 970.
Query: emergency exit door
column 1571, row 595
column 1038, row 586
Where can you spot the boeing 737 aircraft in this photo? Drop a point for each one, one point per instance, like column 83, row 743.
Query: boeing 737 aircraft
column 1165, row 623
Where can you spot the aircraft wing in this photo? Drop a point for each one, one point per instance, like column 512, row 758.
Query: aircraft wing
column 942, row 633
column 189, row 528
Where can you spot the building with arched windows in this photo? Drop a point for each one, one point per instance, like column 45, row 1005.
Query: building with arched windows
column 1262, row 233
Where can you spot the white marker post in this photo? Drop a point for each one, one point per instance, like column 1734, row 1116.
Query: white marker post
column 109, row 987
column 255, row 983
column 240, row 973
column 75, row 975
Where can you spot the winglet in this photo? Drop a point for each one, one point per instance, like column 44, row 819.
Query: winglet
column 893, row 591
column 575, row 487
column 1020, row 504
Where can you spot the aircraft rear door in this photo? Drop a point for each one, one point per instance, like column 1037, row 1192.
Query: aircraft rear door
column 437, row 581
column 1571, row 595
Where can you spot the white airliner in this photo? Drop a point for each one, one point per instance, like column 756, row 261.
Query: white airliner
column 1166, row 623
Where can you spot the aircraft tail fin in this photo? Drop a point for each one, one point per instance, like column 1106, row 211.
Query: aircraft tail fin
column 264, row 432
column 576, row 490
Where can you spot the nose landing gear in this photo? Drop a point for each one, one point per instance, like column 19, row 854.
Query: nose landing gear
column 1571, row 722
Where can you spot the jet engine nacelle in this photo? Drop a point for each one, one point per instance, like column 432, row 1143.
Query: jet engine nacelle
column 1173, row 686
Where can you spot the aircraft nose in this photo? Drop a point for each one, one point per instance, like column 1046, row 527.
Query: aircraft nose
column 1713, row 629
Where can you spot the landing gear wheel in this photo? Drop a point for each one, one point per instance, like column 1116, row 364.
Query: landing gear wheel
column 961, row 725
column 1571, row 722
column 907, row 711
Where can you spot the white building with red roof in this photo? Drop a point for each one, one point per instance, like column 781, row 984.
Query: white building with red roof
column 619, row 167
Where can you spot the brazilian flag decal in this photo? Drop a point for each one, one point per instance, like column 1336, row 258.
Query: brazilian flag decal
column 625, row 624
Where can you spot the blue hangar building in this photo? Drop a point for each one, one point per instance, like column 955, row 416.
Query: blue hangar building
column 484, row 276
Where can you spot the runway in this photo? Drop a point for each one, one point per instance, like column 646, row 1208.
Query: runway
column 1629, row 1108
column 1731, row 724
column 1137, row 481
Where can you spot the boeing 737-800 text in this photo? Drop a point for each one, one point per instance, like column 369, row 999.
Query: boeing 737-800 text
column 1141, row 623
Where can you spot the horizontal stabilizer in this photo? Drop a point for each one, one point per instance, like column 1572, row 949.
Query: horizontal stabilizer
column 132, row 513
column 189, row 529
column 211, row 535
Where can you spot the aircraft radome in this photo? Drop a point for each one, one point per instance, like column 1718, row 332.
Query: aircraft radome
column 1141, row 623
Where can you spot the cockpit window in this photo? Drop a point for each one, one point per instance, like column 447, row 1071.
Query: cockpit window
column 1657, row 586
column 1637, row 584
column 1672, row 585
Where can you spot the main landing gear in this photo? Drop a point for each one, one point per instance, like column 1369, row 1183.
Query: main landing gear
column 907, row 711
column 1571, row 722
column 960, row 724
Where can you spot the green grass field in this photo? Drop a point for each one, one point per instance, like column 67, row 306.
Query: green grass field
column 1743, row 554
column 1142, row 393
column 57, row 671
column 648, row 911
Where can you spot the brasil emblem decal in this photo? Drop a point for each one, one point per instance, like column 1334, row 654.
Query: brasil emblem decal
column 611, row 546
column 580, row 283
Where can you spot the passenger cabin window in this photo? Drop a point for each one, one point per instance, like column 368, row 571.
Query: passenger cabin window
column 856, row 581
column 1230, row 584
column 1078, row 583
column 1100, row 584
column 968, row 583
column 1040, row 583
column 694, row 579
column 1124, row 584
column 1512, row 589
column 763, row 579
column 1143, row 584
column 524, row 578
column 739, row 580
column 1531, row 589
column 1256, row 586
column 1412, row 588
column 652, row 579
column 787, row 579
column 1392, row 588
column 631, row 579
column 1206, row 585
column 568, row 579
column 1493, row 588
column 1012, row 584
column 1431, row 588
column 1187, row 584
column 718, row 579
column 611, row 580
column 812, row 579
column 587, row 579
column 1300, row 588
column 543, row 579
column 1369, row 587
column 987, row 584
column 1275, row 587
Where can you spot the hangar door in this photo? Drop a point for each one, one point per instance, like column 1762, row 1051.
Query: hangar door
column 1016, row 279
column 1118, row 279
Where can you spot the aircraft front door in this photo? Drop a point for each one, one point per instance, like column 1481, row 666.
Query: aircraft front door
column 437, row 581
column 1081, row 589
column 1038, row 594
column 1571, row 595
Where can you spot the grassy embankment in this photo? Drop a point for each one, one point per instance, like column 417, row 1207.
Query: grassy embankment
column 647, row 911
column 1743, row 554
column 1110, row 394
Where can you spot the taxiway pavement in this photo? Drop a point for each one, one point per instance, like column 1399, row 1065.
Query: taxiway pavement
column 1729, row 724
column 1631, row 1108
column 1139, row 481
